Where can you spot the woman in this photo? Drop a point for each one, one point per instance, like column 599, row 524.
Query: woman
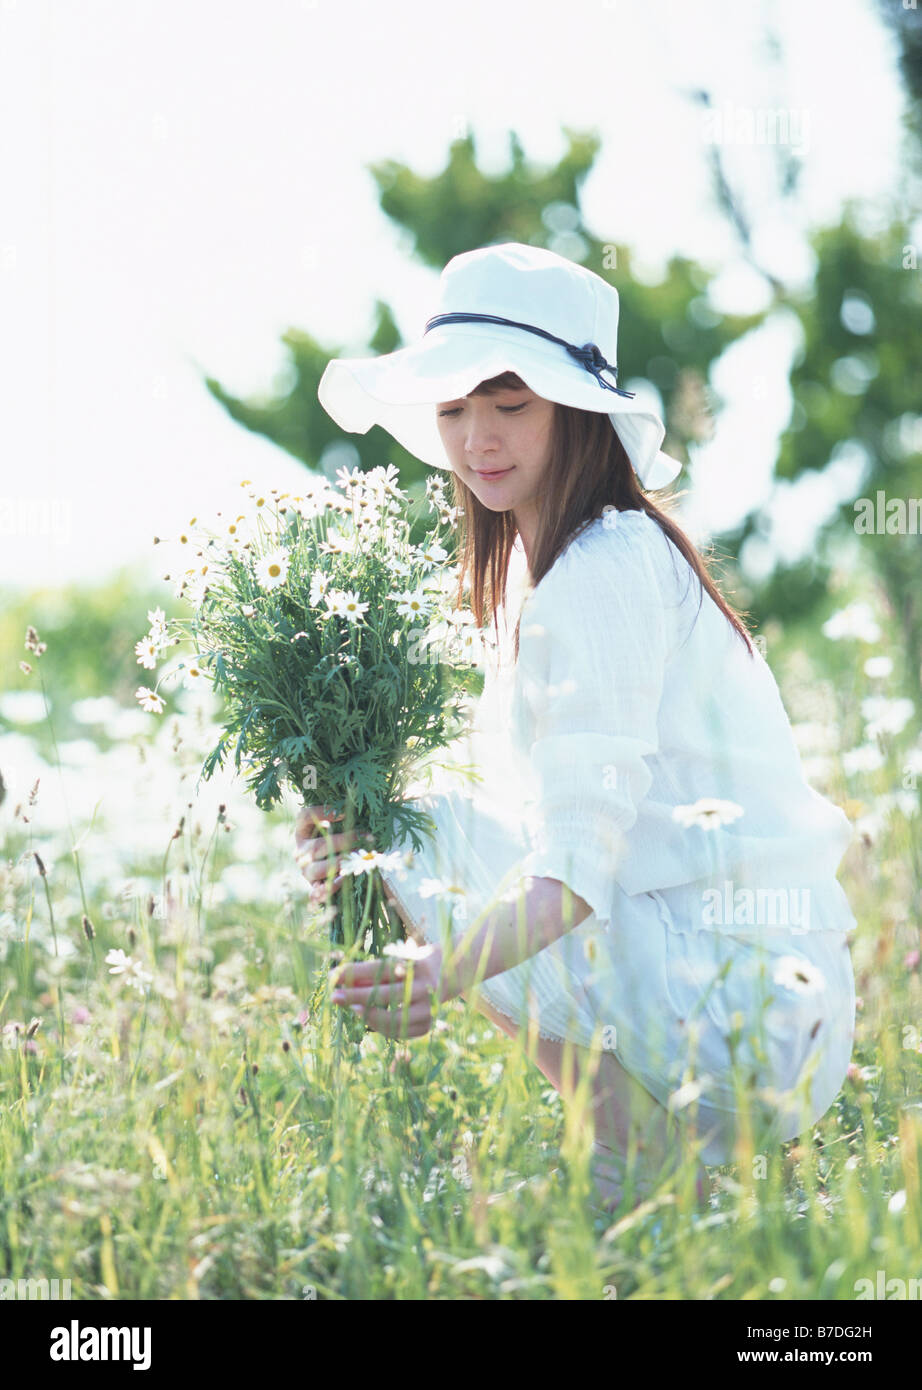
column 642, row 874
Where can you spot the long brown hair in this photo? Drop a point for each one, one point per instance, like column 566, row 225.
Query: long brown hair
column 588, row 469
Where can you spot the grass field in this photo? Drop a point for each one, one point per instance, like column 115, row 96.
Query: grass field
column 195, row 1120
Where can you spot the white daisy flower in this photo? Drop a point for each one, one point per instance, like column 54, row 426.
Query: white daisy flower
column 349, row 478
column 878, row 667
column 146, row 652
column 149, row 700
column 195, row 590
column 885, row 716
column 313, row 504
column 411, row 604
column 272, row 569
column 158, row 624
column 333, row 598
column 708, row 812
column 857, row 621
column 320, row 582
column 408, row 950
column 384, row 480
column 431, row 554
column 194, row 676
column 338, row 544
column 352, row 606
column 360, row 861
column 429, row 887
column 866, row 758
column 118, row 962
column 799, row 975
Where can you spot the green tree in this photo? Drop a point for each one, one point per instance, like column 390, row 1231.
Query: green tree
column 671, row 334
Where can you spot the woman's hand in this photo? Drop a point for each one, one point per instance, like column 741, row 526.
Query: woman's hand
column 314, row 855
column 394, row 996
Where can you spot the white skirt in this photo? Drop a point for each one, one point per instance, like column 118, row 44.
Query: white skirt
column 694, row 1015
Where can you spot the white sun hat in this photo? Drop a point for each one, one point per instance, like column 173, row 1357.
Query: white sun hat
column 502, row 308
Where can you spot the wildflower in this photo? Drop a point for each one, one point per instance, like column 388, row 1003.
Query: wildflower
column 878, row 667
column 32, row 641
column 349, row 478
column 429, row 887
column 856, row 621
column 338, row 544
column 408, row 950
column 25, row 668
column 149, row 700
column 117, row 961
column 194, row 590
column 248, row 610
column 194, row 677
column 799, row 975
column 708, row 812
column 132, row 970
column 272, row 569
column 319, row 585
column 362, row 861
column 432, row 554
column 146, row 652
column 158, row 624
column 411, row 605
column 886, row 716
column 345, row 603
column 867, row 758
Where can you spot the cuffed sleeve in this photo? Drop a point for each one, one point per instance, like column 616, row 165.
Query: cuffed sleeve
column 593, row 645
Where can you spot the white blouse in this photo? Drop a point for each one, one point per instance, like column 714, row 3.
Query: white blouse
column 629, row 701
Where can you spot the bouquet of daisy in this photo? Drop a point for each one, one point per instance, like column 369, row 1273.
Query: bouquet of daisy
column 343, row 663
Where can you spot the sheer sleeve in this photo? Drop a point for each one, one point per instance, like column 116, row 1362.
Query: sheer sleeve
column 593, row 646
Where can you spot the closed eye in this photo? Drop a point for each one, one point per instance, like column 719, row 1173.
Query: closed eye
column 506, row 409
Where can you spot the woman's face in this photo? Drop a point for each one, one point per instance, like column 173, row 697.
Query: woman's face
column 507, row 434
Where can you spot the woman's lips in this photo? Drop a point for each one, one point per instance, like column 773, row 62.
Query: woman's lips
column 489, row 474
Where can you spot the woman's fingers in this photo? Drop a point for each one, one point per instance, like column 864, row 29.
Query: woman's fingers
column 400, row 1023
column 310, row 819
column 313, row 847
column 358, row 974
column 383, row 995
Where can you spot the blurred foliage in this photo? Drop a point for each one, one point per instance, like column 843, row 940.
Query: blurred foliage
column 671, row 334
column 855, row 381
column 856, row 384
column 905, row 22
column 90, row 630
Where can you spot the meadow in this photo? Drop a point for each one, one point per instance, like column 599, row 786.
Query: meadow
column 184, row 1115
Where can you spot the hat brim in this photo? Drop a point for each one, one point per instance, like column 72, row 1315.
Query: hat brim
column 399, row 391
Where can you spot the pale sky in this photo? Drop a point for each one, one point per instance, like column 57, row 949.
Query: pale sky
column 181, row 182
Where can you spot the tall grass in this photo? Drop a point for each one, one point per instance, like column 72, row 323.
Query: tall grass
column 194, row 1132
